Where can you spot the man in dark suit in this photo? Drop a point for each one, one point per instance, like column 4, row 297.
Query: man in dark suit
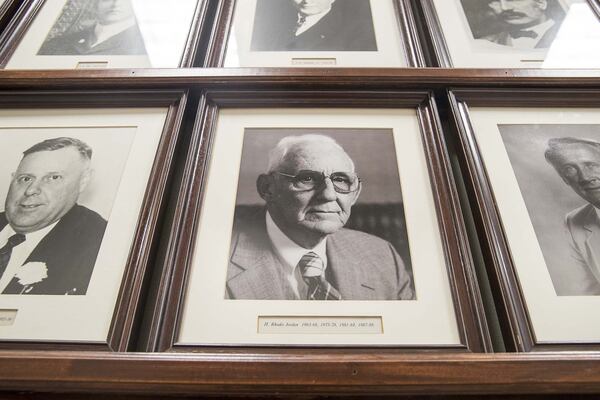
column 313, row 25
column 298, row 249
column 49, row 243
column 114, row 32
column 577, row 161
column 525, row 24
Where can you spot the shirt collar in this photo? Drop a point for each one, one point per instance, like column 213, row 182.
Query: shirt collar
column 541, row 29
column 310, row 20
column 30, row 238
column 287, row 250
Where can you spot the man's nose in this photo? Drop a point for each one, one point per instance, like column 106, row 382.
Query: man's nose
column 505, row 5
column 327, row 191
column 33, row 188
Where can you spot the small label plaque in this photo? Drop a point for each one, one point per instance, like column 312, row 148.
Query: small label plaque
column 314, row 61
column 92, row 64
column 7, row 317
column 320, row 325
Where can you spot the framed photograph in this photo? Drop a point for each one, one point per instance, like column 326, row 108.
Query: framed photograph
column 513, row 34
column 66, row 34
column 329, row 33
column 288, row 232
column 83, row 179
column 532, row 157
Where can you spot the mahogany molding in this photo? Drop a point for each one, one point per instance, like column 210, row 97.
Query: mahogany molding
column 298, row 372
column 363, row 78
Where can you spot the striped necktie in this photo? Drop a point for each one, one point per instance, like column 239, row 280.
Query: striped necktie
column 6, row 251
column 312, row 270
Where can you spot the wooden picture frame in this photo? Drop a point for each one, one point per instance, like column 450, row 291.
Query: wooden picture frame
column 165, row 319
column 224, row 21
column 170, row 105
column 503, row 259
column 8, row 10
column 33, row 8
column 492, row 57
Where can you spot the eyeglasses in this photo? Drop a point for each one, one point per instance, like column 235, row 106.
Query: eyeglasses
column 305, row 180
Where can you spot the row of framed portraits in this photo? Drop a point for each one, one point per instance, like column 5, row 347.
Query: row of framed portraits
column 86, row 178
column 66, row 34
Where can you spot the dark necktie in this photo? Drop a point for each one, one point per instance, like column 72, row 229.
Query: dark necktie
column 301, row 20
column 521, row 33
column 6, row 251
column 312, row 270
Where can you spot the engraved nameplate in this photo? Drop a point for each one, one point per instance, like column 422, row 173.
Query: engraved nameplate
column 7, row 317
column 320, row 325
column 92, row 64
column 313, row 61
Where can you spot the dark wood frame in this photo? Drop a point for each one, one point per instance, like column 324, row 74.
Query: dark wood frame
column 225, row 16
column 8, row 11
column 166, row 314
column 31, row 8
column 512, row 309
column 436, row 36
column 127, row 309
column 595, row 6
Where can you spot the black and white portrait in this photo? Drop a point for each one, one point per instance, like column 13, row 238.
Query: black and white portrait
column 318, row 217
column 520, row 24
column 558, row 171
column 56, row 207
column 313, row 25
column 95, row 27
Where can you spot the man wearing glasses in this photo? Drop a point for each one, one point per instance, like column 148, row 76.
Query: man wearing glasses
column 298, row 249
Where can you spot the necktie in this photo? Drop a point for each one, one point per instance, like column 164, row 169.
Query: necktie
column 301, row 20
column 6, row 251
column 312, row 269
column 522, row 33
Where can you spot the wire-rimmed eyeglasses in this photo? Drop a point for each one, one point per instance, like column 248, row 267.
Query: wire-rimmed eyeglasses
column 305, row 180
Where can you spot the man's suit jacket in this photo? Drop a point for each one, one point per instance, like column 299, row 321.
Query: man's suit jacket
column 347, row 27
column 69, row 251
column 544, row 42
column 127, row 42
column 359, row 265
column 583, row 228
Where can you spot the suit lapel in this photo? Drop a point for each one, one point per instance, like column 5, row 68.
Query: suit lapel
column 592, row 242
column 349, row 269
column 259, row 275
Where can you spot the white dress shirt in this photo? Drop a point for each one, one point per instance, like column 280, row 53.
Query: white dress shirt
column 289, row 253
column 528, row 42
column 310, row 21
column 105, row 32
column 20, row 252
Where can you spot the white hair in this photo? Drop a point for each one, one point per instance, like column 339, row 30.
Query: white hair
column 284, row 146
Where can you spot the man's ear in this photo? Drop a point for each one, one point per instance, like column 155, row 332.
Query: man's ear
column 356, row 194
column 265, row 187
column 85, row 179
column 543, row 4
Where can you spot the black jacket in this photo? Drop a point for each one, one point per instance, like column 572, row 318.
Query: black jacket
column 69, row 251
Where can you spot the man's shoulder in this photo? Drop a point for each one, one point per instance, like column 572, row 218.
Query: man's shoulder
column 580, row 216
column 358, row 239
column 81, row 213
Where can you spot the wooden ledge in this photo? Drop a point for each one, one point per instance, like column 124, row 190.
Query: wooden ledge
column 298, row 371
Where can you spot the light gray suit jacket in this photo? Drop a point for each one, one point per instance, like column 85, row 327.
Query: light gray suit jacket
column 583, row 228
column 359, row 265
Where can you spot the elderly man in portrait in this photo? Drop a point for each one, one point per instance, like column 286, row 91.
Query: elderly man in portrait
column 577, row 161
column 49, row 243
column 524, row 24
column 313, row 25
column 112, row 31
column 297, row 248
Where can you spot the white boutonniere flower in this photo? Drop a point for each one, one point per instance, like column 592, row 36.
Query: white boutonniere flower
column 32, row 272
